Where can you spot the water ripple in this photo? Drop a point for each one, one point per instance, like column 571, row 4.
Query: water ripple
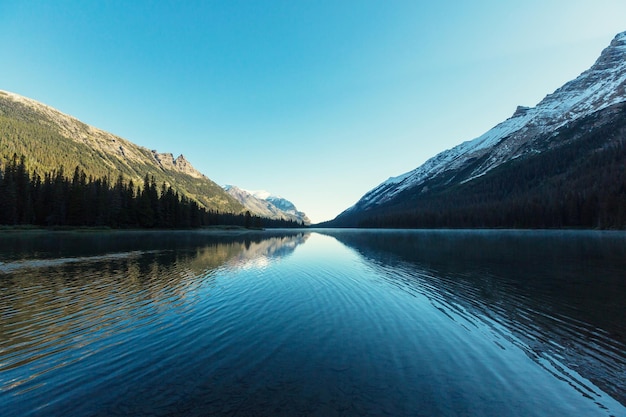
column 573, row 351
column 260, row 328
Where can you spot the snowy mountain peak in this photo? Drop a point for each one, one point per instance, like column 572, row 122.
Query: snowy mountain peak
column 265, row 204
column 262, row 194
column 601, row 86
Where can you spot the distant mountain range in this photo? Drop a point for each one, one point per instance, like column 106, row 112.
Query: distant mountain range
column 50, row 139
column 558, row 164
column 267, row 205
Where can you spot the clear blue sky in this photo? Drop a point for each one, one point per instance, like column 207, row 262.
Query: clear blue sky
column 317, row 101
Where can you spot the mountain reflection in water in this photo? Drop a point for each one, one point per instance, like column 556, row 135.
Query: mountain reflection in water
column 330, row 322
column 558, row 296
column 72, row 292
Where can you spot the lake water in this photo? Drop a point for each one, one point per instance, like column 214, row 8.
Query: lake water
column 313, row 323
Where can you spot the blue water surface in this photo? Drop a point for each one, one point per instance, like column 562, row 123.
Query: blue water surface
column 322, row 323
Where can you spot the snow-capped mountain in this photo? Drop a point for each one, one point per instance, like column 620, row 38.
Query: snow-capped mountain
column 288, row 207
column 264, row 204
column 527, row 131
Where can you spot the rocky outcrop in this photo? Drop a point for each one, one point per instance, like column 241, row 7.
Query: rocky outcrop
column 180, row 164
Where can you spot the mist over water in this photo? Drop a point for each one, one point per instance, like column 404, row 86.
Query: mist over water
column 323, row 323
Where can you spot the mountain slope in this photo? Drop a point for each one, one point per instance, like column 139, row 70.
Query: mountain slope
column 264, row 204
column 289, row 209
column 50, row 139
column 594, row 95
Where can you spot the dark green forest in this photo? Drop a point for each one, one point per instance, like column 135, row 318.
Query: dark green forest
column 578, row 180
column 57, row 200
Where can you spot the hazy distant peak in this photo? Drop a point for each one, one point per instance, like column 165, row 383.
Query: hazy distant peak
column 264, row 203
column 262, row 194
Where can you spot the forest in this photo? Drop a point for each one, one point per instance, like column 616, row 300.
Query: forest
column 24, row 131
column 577, row 181
column 569, row 187
column 57, row 200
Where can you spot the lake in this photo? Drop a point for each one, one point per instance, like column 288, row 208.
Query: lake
column 313, row 323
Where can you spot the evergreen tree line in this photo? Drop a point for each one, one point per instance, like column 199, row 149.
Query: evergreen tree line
column 58, row 200
column 579, row 184
column 25, row 132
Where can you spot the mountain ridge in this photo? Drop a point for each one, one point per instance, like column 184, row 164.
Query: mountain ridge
column 265, row 204
column 527, row 132
column 46, row 136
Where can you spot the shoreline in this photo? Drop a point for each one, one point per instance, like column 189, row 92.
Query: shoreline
column 211, row 230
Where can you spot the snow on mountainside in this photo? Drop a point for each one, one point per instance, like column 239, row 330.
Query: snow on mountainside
column 265, row 204
column 261, row 194
column 283, row 205
column 601, row 86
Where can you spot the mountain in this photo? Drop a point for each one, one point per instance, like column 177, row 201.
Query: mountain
column 264, row 204
column 583, row 120
column 50, row 139
column 288, row 208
